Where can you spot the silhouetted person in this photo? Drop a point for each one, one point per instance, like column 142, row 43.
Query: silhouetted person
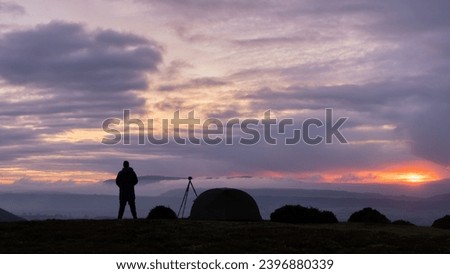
column 126, row 180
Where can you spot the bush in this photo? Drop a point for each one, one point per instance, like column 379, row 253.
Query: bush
column 443, row 222
column 368, row 215
column 402, row 222
column 297, row 214
column 161, row 212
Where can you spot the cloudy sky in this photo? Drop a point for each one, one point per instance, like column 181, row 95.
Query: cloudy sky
column 66, row 66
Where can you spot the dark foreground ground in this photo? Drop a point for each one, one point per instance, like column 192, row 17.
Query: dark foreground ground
column 185, row 236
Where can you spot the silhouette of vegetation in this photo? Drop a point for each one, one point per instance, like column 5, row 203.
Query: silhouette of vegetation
column 368, row 215
column 161, row 212
column 402, row 222
column 443, row 222
column 297, row 214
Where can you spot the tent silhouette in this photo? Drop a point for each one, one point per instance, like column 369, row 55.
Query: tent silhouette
column 225, row 204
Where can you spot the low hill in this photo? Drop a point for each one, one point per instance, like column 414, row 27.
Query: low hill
column 6, row 216
column 149, row 179
column 187, row 236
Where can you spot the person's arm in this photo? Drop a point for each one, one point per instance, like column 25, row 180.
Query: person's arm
column 118, row 180
column 135, row 178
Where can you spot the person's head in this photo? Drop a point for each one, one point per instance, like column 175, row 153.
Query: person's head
column 126, row 164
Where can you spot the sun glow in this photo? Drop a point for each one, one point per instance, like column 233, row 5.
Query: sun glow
column 416, row 172
column 413, row 177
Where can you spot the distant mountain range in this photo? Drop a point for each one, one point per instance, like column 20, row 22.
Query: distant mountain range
column 6, row 216
column 421, row 211
column 149, row 179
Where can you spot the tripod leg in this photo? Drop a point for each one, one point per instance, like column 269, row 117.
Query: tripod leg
column 183, row 203
column 181, row 206
column 185, row 197
column 192, row 185
column 184, row 207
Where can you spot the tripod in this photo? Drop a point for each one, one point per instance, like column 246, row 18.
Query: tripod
column 184, row 201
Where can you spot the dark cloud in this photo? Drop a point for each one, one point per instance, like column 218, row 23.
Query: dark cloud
column 378, row 98
column 66, row 57
column 218, row 9
column 429, row 133
column 401, row 15
column 306, row 37
column 112, row 38
column 18, row 135
column 197, row 83
column 75, row 76
column 11, row 8
column 410, row 17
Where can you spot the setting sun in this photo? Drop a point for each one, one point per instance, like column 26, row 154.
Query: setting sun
column 414, row 177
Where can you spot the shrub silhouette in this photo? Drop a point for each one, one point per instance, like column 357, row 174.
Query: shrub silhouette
column 297, row 214
column 402, row 222
column 161, row 212
column 368, row 215
column 443, row 222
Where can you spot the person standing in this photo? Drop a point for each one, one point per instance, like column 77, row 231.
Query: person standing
column 126, row 180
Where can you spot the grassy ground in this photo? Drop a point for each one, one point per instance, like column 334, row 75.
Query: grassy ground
column 185, row 236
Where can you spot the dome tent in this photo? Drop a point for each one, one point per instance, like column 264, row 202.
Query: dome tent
column 225, row 204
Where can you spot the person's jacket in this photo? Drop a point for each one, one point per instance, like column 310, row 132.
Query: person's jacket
column 126, row 180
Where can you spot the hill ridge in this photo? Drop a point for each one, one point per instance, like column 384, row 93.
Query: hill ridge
column 6, row 216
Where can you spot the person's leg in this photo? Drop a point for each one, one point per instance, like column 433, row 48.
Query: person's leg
column 133, row 208
column 121, row 209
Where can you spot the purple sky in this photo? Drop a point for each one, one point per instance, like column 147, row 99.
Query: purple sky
column 66, row 66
